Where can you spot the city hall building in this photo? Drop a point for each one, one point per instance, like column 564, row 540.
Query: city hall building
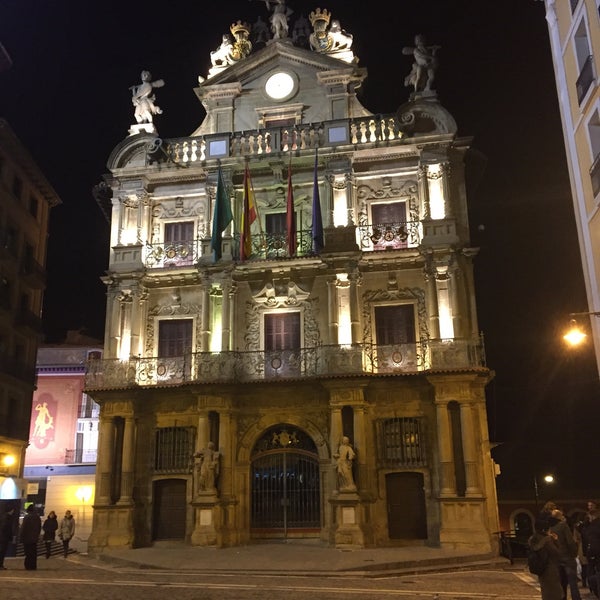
column 291, row 345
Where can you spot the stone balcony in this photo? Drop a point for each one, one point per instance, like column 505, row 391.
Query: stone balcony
column 280, row 365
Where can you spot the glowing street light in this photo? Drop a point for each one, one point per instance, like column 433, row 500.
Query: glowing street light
column 575, row 335
column 546, row 479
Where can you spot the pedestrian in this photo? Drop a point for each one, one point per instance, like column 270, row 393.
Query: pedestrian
column 544, row 541
column 66, row 531
column 592, row 549
column 50, row 526
column 30, row 534
column 567, row 549
column 7, row 532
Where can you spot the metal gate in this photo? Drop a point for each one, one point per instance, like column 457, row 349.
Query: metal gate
column 285, row 483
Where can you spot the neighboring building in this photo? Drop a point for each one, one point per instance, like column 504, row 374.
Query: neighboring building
column 574, row 27
column 60, row 463
column 26, row 198
column 229, row 382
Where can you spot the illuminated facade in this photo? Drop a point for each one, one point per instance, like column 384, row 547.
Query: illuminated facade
column 574, row 30
column 228, row 383
column 26, row 198
column 60, row 463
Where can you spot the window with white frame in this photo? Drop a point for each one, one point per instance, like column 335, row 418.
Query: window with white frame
column 282, row 342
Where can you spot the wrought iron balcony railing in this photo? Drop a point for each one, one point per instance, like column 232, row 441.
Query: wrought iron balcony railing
column 80, row 455
column 369, row 238
column 318, row 362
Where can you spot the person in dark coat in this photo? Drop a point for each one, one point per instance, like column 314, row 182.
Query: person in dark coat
column 544, row 539
column 7, row 532
column 592, row 550
column 50, row 526
column 30, row 534
column 567, row 549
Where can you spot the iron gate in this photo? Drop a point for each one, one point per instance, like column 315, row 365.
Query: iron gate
column 285, row 491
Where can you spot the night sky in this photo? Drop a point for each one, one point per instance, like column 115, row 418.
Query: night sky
column 67, row 97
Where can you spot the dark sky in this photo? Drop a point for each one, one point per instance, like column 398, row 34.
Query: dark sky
column 67, row 97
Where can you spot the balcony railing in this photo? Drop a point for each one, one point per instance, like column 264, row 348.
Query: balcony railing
column 80, row 455
column 369, row 238
column 585, row 79
column 374, row 129
column 318, row 362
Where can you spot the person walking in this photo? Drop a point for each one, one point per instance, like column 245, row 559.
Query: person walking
column 30, row 534
column 50, row 526
column 567, row 549
column 544, row 542
column 66, row 531
column 7, row 532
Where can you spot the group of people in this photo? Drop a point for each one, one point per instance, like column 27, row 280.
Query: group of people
column 562, row 547
column 30, row 531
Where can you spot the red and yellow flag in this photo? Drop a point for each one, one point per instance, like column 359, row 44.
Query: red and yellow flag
column 248, row 217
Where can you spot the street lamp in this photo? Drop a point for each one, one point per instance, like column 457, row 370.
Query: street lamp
column 575, row 336
column 546, row 479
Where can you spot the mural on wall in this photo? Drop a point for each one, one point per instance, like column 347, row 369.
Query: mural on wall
column 43, row 420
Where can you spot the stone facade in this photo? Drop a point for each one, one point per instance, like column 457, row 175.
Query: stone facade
column 277, row 353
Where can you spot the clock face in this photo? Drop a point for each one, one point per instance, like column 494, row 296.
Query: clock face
column 279, row 85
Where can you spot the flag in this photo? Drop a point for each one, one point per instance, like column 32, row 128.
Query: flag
column 317, row 220
column 248, row 217
column 221, row 217
column 290, row 216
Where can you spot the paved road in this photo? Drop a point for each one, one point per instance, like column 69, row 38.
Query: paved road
column 85, row 579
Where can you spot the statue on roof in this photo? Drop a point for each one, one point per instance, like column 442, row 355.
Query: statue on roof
column 221, row 57
column 279, row 18
column 143, row 98
column 425, row 64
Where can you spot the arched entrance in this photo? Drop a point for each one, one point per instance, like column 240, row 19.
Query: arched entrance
column 285, row 484
column 169, row 509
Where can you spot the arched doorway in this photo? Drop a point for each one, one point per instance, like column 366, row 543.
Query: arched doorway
column 285, row 484
column 169, row 509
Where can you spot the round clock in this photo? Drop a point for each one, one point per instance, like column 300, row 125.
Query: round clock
column 280, row 85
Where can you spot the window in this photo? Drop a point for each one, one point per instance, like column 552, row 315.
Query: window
column 594, row 137
column 174, row 449
column 276, row 232
column 402, row 442
column 389, row 225
column 179, row 243
column 395, row 325
column 282, row 344
column 174, row 338
column 4, row 292
column 584, row 60
column 33, row 206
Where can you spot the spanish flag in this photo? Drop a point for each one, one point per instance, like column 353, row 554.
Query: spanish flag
column 248, row 217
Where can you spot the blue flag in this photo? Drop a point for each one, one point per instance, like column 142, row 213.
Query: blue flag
column 221, row 217
column 317, row 220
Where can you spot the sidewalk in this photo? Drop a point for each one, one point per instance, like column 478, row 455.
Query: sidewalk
column 298, row 556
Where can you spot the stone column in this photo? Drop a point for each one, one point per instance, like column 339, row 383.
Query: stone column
column 447, row 479
column 332, row 311
column 455, row 304
column 205, row 327
column 225, row 318
column 360, row 445
column 445, row 172
column 354, row 307
column 424, row 191
column 128, row 460
column 432, row 302
column 104, row 462
column 469, row 450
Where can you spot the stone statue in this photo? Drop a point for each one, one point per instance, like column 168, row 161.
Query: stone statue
column 143, row 98
column 423, row 70
column 344, row 457
column 279, row 18
column 207, row 468
column 340, row 40
column 222, row 57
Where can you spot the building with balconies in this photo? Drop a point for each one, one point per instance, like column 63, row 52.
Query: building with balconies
column 291, row 345
column 60, row 462
column 26, row 198
column 574, row 28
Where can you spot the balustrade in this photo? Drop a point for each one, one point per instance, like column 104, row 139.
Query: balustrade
column 320, row 361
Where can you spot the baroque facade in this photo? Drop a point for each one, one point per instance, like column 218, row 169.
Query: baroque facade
column 259, row 381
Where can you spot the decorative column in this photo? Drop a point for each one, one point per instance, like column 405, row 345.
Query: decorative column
column 332, row 310
column 433, row 308
column 445, row 172
column 424, row 191
column 354, row 278
column 469, row 452
column 225, row 317
column 104, row 462
column 454, row 273
column 447, row 480
column 128, row 461
column 205, row 326
column 360, row 445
